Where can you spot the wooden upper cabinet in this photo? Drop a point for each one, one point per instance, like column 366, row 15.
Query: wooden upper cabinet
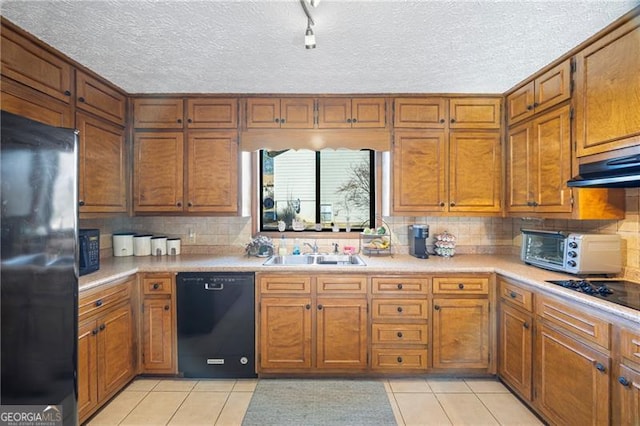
column 26, row 102
column 212, row 171
column 280, row 113
column 158, row 172
column 474, row 113
column 341, row 113
column 547, row 90
column 212, row 113
column 420, row 113
column 26, row 62
column 419, row 173
column 158, row 113
column 475, row 172
column 607, row 97
column 102, row 166
column 96, row 97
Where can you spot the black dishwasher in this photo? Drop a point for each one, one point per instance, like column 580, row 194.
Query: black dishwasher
column 216, row 324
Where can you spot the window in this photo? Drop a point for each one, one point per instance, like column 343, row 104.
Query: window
column 302, row 188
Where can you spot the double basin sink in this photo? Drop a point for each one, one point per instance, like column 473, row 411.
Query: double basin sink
column 315, row 259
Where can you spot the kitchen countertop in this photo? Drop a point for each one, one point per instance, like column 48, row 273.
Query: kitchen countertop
column 509, row 266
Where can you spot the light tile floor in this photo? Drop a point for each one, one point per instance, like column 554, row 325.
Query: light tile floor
column 416, row 401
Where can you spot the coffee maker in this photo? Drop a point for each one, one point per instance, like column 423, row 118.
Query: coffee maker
column 418, row 235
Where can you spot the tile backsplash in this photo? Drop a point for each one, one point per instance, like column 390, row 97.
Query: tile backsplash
column 228, row 235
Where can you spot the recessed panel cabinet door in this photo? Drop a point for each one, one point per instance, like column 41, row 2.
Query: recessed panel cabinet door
column 99, row 98
column 158, row 172
column 515, row 363
column 341, row 333
column 87, row 368
column 422, row 113
column 115, row 349
column 212, row 183
column 520, row 166
column 26, row 102
column 628, row 386
column 157, row 345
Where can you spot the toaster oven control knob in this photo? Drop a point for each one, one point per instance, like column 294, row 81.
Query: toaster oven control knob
column 573, row 244
column 572, row 263
column 572, row 254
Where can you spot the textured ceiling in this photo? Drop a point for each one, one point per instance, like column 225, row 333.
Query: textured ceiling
column 252, row 46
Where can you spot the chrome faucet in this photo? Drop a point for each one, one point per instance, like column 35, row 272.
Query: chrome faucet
column 313, row 247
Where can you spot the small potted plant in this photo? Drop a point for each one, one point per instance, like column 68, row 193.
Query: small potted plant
column 261, row 246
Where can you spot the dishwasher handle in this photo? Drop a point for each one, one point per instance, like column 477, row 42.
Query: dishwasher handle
column 213, row 286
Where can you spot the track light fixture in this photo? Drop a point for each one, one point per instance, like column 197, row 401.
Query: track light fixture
column 309, row 36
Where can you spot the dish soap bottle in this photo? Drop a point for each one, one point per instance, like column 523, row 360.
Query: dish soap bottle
column 282, row 248
column 296, row 246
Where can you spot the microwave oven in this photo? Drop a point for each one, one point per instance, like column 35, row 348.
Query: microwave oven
column 573, row 253
column 89, row 248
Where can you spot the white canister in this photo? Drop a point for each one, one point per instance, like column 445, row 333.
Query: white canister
column 122, row 244
column 173, row 246
column 141, row 245
column 158, row 246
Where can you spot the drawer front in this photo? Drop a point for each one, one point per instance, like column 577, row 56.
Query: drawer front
column 461, row 285
column 399, row 359
column 285, row 284
column 157, row 285
column 630, row 345
column 399, row 309
column 101, row 300
column 339, row 284
column 399, row 285
column 573, row 320
column 516, row 295
column 415, row 334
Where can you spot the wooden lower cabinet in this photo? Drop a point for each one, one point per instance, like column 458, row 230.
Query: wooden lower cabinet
column 341, row 329
column 159, row 344
column 628, row 389
column 106, row 348
column 515, row 363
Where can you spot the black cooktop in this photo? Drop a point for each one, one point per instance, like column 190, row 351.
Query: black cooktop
column 625, row 293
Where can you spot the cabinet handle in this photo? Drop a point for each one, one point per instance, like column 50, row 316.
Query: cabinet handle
column 99, row 302
column 529, row 203
column 189, row 120
column 348, row 120
column 453, row 120
column 282, row 120
column 436, row 307
column 600, row 367
column 307, row 306
column 80, row 99
column 166, row 307
column 81, row 203
column 529, row 107
column 179, row 204
column 102, row 327
column 190, row 204
column 400, row 309
column 277, row 120
column 319, row 307
column 94, row 331
column 453, row 204
column 179, row 120
column 400, row 334
column 535, row 104
column 623, row 381
column 441, row 203
column 400, row 359
column 526, row 325
column 512, row 295
column 442, row 120
column 461, row 286
column 353, row 120
column 535, row 204
column 156, row 286
column 399, row 286
column 67, row 93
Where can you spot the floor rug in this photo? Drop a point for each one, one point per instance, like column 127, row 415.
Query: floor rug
column 319, row 402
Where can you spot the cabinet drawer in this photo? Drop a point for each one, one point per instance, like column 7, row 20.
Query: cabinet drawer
column 399, row 333
column 630, row 345
column 573, row 320
column 516, row 295
column 341, row 284
column 399, row 359
column 285, row 284
column 399, row 285
column 400, row 309
column 100, row 300
column 461, row 285
column 157, row 285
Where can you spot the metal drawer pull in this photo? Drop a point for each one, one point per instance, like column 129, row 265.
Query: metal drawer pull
column 436, row 307
column 600, row 367
column 102, row 327
column 400, row 359
column 166, row 307
column 99, row 302
column 399, row 286
column 513, row 295
column 400, row 334
column 399, row 308
column 156, row 286
column 623, row 381
column 460, row 286
column 213, row 286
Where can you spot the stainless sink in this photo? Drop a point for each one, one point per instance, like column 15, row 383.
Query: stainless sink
column 314, row 259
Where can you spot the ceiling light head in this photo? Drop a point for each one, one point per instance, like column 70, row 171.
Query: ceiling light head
column 309, row 38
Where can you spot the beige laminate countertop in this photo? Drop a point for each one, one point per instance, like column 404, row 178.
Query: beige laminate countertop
column 508, row 266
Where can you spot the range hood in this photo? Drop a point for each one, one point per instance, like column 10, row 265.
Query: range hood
column 619, row 172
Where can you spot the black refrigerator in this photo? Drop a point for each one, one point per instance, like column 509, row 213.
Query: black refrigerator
column 39, row 272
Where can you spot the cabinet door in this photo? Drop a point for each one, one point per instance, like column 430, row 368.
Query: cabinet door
column 460, row 333
column 368, row 113
column 263, row 113
column 474, row 113
column 158, row 172
column 26, row 102
column 285, row 333
column 607, row 92
column 212, row 182
column 158, row 113
column 515, row 349
column 552, row 151
column 212, row 113
column 28, row 63
column 419, row 172
column 520, row 165
column 572, row 380
column 87, row 368
column 115, row 350
column 296, row 113
column 341, row 333
column 420, row 113
column 157, row 345
column 334, row 113
column 553, row 87
column 475, row 172
column 102, row 166
column 628, row 387
column 100, row 99
column 520, row 103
